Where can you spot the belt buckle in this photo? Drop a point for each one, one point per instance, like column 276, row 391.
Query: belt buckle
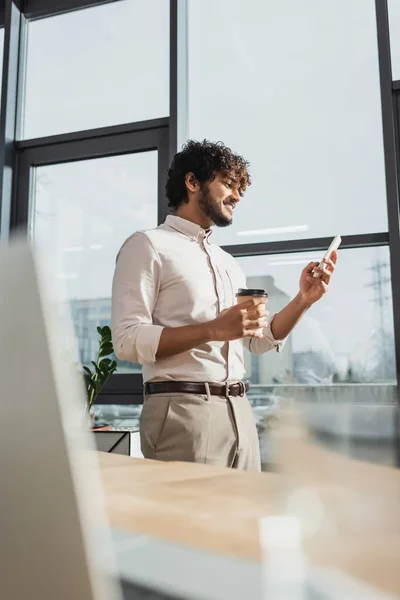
column 242, row 389
column 227, row 386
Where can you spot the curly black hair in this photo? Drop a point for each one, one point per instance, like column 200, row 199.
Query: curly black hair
column 204, row 159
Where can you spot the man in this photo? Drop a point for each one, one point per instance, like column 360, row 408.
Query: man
column 174, row 311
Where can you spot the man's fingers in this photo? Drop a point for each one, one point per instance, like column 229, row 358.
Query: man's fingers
column 326, row 275
column 323, row 272
column 256, row 323
column 329, row 264
column 251, row 302
column 320, row 281
column 257, row 311
column 311, row 266
column 257, row 333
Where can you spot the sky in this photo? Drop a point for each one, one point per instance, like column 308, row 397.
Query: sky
column 295, row 90
column 115, row 67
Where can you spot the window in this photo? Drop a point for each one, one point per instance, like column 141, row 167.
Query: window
column 394, row 27
column 81, row 214
column 345, row 338
column 104, row 65
column 294, row 87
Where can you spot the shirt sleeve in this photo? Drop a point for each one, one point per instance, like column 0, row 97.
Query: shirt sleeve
column 266, row 343
column 135, row 290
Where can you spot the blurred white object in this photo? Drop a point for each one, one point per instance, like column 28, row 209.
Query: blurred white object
column 51, row 501
column 135, row 445
column 284, row 564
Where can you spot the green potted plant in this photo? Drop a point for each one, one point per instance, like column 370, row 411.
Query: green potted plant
column 102, row 367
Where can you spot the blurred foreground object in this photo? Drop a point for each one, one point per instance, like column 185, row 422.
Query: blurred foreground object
column 348, row 511
column 50, row 498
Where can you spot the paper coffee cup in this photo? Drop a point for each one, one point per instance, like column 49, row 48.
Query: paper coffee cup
column 245, row 294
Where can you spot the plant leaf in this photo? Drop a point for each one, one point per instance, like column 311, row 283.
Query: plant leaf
column 98, row 371
column 91, row 386
column 106, row 350
column 104, row 368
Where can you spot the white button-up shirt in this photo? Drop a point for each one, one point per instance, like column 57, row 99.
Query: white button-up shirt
column 173, row 276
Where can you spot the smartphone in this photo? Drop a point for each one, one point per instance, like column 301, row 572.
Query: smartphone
column 334, row 245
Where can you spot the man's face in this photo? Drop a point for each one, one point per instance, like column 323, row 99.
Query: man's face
column 217, row 200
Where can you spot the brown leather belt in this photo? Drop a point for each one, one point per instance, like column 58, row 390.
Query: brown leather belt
column 188, row 387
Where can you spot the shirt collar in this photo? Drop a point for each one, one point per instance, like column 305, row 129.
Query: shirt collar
column 192, row 230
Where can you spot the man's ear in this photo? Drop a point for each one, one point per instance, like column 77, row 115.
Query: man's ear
column 192, row 185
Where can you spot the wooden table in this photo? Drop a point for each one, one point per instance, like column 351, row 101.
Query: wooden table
column 218, row 510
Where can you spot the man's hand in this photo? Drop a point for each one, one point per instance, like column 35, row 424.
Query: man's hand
column 312, row 289
column 239, row 321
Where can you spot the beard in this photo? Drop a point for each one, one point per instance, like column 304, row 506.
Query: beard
column 212, row 209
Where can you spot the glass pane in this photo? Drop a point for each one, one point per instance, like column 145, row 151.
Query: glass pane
column 394, row 26
column 294, row 87
column 356, row 420
column 100, row 66
column 119, row 416
column 82, row 213
column 346, row 338
column 338, row 365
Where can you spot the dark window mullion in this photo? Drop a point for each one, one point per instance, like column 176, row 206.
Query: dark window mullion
column 101, row 132
column 178, row 75
column 2, row 12
column 103, row 146
column 389, row 144
column 9, row 113
column 38, row 9
column 320, row 244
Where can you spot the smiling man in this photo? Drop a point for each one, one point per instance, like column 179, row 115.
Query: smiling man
column 174, row 311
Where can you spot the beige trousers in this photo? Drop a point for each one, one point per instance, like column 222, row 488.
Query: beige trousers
column 206, row 429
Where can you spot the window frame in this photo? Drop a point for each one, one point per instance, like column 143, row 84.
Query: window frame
column 166, row 135
column 103, row 143
column 98, row 143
